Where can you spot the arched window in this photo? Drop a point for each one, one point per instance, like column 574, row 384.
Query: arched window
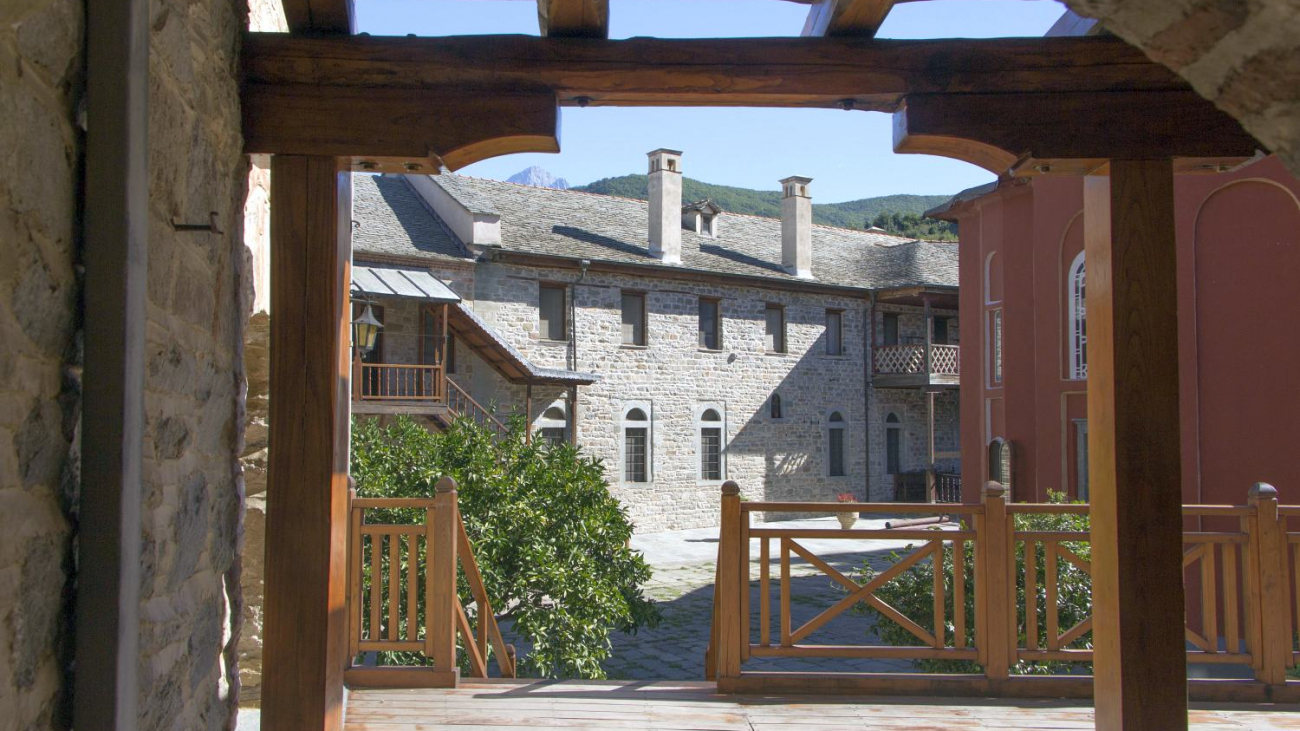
column 774, row 404
column 637, row 458
column 709, row 445
column 893, row 444
column 835, row 444
column 1078, row 343
column 553, row 425
column 1000, row 462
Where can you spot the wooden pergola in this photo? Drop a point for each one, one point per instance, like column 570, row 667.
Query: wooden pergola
column 325, row 102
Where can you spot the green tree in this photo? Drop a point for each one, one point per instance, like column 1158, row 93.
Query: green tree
column 550, row 540
column 912, row 593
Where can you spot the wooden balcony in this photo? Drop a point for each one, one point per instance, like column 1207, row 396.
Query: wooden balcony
column 424, row 390
column 916, row 366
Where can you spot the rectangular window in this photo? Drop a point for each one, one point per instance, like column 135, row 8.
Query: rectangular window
column 710, row 324
column 711, row 453
column 893, row 451
column 553, row 436
column 774, row 337
column 836, row 467
column 941, row 330
column 1081, row 458
column 834, row 332
column 891, row 328
column 550, row 311
column 633, row 318
column 634, row 454
column 995, row 345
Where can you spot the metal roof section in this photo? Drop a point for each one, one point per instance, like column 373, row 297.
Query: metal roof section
column 398, row 282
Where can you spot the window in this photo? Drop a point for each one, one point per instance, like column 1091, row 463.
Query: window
column 710, row 324
column 553, row 426
column 1081, row 458
column 995, row 345
column 834, row 332
column 633, row 318
column 709, row 424
column 940, row 335
column 835, row 444
column 774, row 404
column 891, row 328
column 774, row 337
column 636, row 445
column 893, row 444
column 1000, row 463
column 1078, row 321
column 550, row 311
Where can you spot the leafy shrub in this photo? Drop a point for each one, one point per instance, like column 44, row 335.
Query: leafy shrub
column 550, row 540
column 912, row 593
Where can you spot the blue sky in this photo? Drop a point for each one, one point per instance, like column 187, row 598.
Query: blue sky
column 848, row 154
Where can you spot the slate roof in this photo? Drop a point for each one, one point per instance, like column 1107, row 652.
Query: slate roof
column 392, row 219
column 606, row 228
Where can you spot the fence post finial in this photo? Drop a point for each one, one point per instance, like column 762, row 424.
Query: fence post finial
column 730, row 487
column 445, row 484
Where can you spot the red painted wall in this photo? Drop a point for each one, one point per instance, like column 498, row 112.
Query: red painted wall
column 1239, row 275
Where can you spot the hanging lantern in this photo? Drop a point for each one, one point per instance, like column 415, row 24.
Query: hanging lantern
column 365, row 330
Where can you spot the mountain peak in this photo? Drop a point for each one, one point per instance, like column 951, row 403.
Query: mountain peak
column 539, row 178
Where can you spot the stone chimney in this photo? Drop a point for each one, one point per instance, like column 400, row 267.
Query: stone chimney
column 796, row 227
column 666, row 205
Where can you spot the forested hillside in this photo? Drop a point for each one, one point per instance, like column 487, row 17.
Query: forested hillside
column 898, row 214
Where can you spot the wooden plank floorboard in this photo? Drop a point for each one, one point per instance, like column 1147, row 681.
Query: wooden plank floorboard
column 676, row 706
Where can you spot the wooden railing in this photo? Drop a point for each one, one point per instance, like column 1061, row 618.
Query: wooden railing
column 402, row 594
column 945, row 360
column 462, row 403
column 397, row 382
column 1243, row 574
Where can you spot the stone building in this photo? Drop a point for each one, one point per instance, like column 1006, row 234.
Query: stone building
column 722, row 346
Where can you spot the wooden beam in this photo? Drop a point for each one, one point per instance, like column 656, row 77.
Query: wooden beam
column 305, row 648
column 116, row 247
column 573, row 18
column 855, row 18
column 397, row 130
column 764, row 72
column 320, row 16
column 1133, row 448
column 995, row 131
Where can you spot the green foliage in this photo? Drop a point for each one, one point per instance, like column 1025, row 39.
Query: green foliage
column 850, row 214
column 550, row 540
column 912, row 593
column 916, row 226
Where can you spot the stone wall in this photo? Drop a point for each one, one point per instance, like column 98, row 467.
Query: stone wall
column 41, row 77
column 1243, row 56
column 778, row 459
column 199, row 289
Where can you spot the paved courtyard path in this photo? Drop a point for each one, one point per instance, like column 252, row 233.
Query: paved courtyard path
column 684, row 563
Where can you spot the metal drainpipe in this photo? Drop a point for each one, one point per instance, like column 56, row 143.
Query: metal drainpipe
column 573, row 316
column 868, row 328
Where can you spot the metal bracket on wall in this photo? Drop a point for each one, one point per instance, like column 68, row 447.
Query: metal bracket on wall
column 209, row 227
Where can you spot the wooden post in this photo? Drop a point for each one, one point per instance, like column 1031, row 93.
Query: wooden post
column 728, row 588
column 115, row 228
column 440, row 637
column 305, row 647
column 356, row 375
column 994, row 613
column 931, row 479
column 528, row 414
column 1133, row 445
column 1273, row 610
column 573, row 415
column 929, row 337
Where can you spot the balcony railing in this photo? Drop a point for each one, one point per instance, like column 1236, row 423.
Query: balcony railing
column 910, row 360
column 1240, row 559
column 397, row 382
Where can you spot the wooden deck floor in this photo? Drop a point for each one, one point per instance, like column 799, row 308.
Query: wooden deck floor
column 692, row 706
